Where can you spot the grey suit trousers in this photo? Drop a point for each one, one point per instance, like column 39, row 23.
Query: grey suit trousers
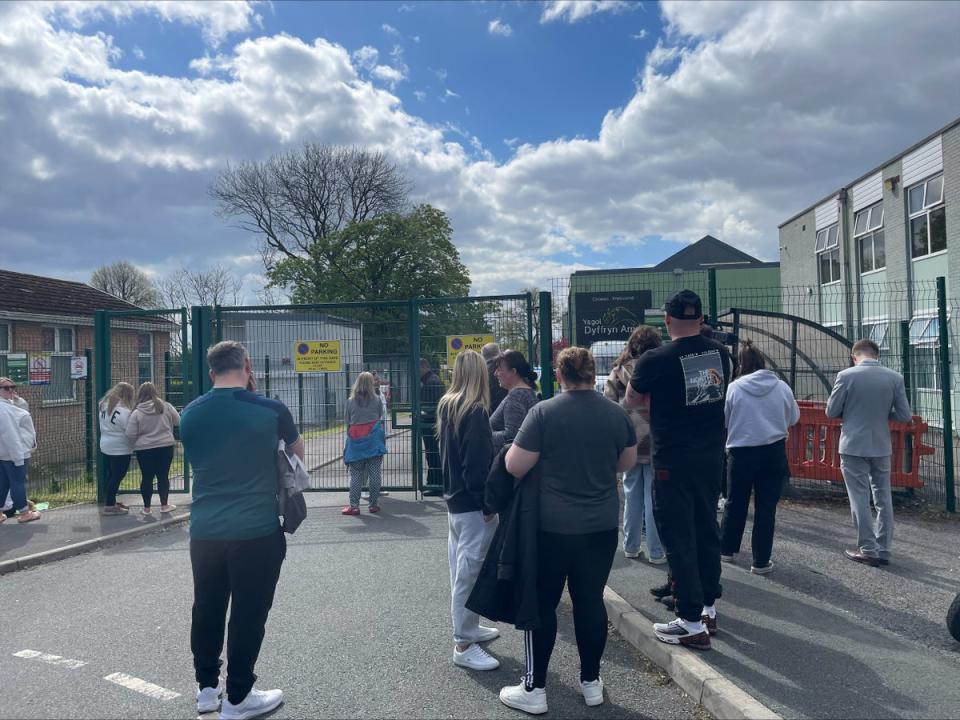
column 864, row 476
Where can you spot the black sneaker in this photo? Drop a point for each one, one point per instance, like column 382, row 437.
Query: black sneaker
column 661, row 591
column 670, row 602
column 675, row 633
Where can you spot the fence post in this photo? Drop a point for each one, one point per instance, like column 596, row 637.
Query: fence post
column 905, row 358
column 712, row 293
column 546, row 346
column 201, row 326
column 166, row 375
column 101, row 344
column 946, row 388
column 266, row 376
column 300, row 401
column 88, row 414
column 793, row 355
column 413, row 332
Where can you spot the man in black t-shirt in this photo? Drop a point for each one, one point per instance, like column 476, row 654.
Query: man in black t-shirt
column 684, row 383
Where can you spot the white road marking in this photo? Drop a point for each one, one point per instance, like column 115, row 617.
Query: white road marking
column 50, row 659
column 141, row 686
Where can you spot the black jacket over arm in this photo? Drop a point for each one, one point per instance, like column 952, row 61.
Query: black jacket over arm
column 506, row 589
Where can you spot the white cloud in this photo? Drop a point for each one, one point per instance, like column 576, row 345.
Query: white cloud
column 389, row 75
column 405, row 8
column 420, row 95
column 366, row 57
column 575, row 10
column 138, row 53
column 640, row 35
column 390, row 29
column 498, row 27
column 739, row 119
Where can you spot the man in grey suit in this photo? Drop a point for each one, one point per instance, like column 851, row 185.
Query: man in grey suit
column 867, row 396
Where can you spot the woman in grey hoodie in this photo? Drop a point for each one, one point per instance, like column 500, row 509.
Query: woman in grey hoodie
column 150, row 429
column 760, row 408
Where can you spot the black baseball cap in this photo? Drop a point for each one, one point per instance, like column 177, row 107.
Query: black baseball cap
column 684, row 305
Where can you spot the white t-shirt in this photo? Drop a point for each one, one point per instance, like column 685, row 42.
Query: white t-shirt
column 113, row 438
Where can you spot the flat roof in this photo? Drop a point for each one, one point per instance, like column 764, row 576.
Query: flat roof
column 744, row 266
column 881, row 166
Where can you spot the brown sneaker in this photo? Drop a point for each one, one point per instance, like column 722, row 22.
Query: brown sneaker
column 710, row 623
column 675, row 633
column 114, row 510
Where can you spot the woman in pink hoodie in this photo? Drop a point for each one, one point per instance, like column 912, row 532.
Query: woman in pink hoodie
column 150, row 429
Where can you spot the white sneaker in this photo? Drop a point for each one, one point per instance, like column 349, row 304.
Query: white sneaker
column 631, row 554
column 208, row 699
column 475, row 658
column 365, row 495
column 486, row 634
column 592, row 691
column 255, row 704
column 519, row 698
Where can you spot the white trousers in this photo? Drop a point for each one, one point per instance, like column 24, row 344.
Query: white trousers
column 468, row 538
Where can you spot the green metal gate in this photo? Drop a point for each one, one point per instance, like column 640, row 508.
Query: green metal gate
column 137, row 346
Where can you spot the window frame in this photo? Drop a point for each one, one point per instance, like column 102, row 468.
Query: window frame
column 6, row 329
column 925, row 211
column 58, row 351
column 873, row 324
column 923, row 341
column 869, row 233
column 141, row 356
column 827, row 246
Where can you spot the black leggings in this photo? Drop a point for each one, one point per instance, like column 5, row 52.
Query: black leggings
column 583, row 562
column 155, row 463
column 117, row 466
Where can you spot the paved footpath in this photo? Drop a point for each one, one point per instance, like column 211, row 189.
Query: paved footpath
column 824, row 637
column 360, row 628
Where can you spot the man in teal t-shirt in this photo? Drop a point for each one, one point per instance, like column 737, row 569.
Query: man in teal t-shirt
column 230, row 437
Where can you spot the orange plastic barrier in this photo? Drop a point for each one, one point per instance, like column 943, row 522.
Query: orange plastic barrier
column 813, row 447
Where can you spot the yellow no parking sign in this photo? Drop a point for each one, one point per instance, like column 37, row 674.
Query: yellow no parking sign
column 316, row 356
column 456, row 344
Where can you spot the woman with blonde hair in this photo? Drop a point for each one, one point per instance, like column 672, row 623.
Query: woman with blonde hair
column 466, row 451
column 150, row 429
column 115, row 408
column 365, row 443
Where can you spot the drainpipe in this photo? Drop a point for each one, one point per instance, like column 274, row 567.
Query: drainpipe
column 850, row 269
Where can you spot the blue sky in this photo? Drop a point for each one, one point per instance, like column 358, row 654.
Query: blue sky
column 557, row 135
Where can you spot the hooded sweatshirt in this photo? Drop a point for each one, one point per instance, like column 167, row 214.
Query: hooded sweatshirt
column 113, row 436
column 18, row 437
column 148, row 429
column 760, row 410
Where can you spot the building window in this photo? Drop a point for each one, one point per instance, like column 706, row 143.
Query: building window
column 928, row 224
column 925, row 342
column 828, row 254
column 59, row 342
column 144, row 358
column 868, row 234
column 876, row 330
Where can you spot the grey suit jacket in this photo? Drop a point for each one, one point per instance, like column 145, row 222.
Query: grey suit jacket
column 867, row 397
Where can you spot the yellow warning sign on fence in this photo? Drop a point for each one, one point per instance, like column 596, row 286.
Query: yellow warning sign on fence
column 316, row 356
column 456, row 344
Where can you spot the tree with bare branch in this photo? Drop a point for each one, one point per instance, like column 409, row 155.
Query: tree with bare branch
column 216, row 286
column 127, row 282
column 298, row 202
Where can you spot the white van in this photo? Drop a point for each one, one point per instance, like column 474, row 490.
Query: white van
column 605, row 352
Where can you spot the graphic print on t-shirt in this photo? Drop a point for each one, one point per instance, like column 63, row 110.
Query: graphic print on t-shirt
column 703, row 377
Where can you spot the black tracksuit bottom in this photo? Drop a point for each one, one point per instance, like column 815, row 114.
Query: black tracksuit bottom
column 243, row 574
column 759, row 470
column 583, row 563
column 685, row 497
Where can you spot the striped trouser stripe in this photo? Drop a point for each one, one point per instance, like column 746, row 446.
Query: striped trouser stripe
column 528, row 651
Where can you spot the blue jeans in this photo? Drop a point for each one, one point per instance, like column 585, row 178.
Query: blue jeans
column 638, row 511
column 13, row 479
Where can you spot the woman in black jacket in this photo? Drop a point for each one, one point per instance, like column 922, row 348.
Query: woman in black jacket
column 579, row 441
column 466, row 450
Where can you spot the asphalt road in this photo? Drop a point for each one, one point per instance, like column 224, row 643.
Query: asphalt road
column 360, row 628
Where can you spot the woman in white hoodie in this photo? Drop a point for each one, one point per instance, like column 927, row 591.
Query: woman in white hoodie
column 8, row 393
column 760, row 409
column 17, row 440
column 150, row 429
column 115, row 408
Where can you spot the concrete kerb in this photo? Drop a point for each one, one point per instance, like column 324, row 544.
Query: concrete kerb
column 718, row 696
column 85, row 546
